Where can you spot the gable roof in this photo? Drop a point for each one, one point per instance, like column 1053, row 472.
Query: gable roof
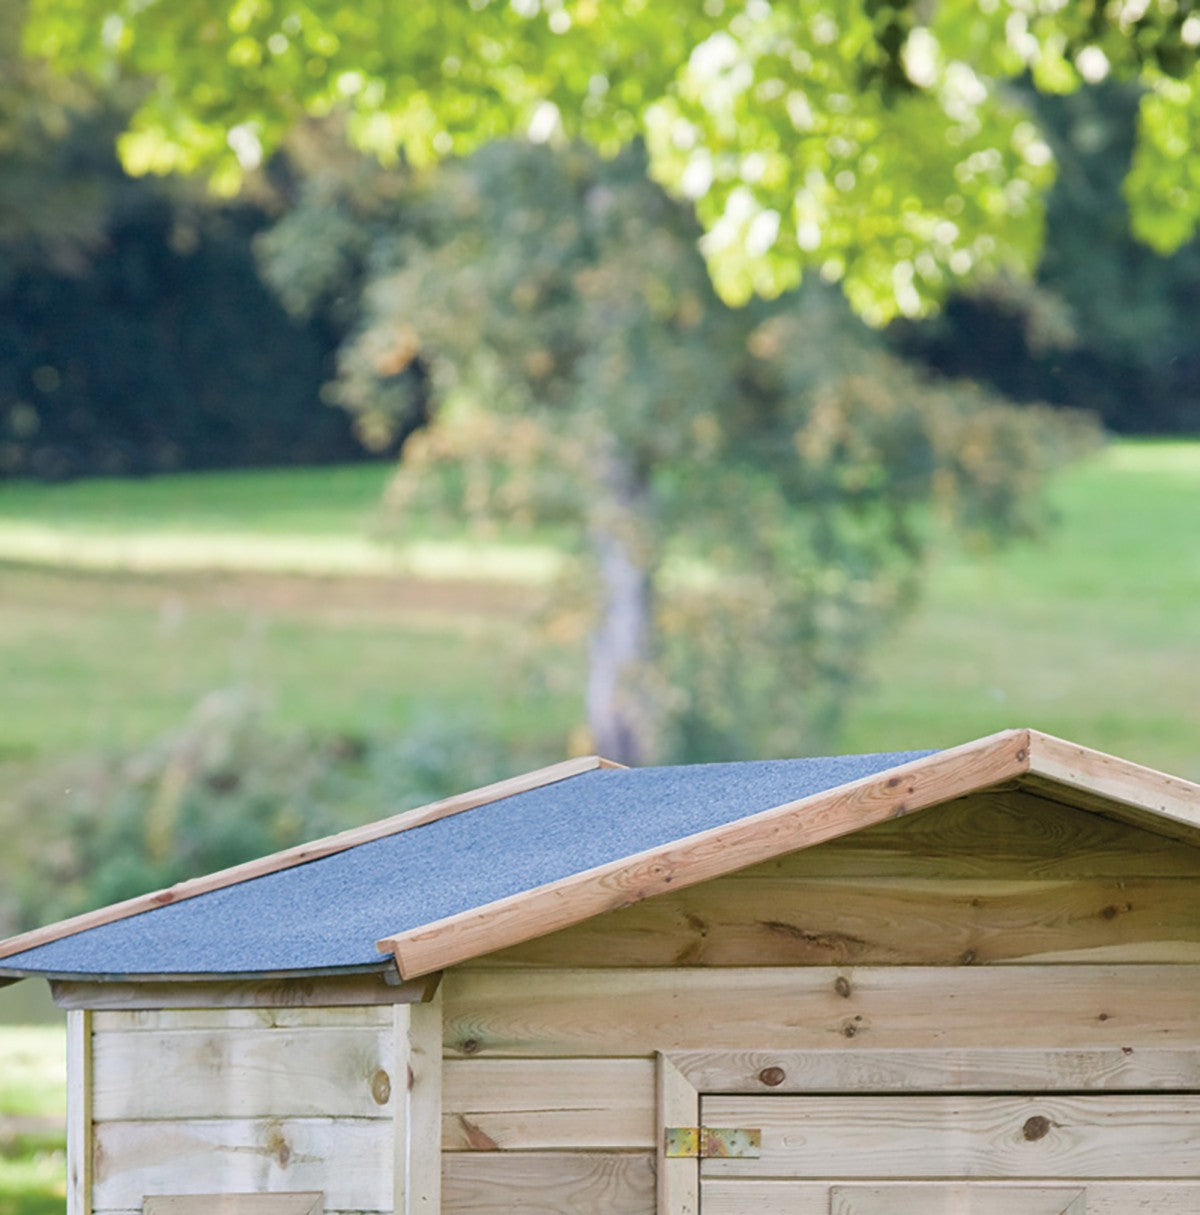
column 473, row 874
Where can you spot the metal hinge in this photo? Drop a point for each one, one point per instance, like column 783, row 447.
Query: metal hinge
column 704, row 1142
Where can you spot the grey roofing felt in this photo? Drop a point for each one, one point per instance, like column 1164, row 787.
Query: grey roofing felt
column 329, row 913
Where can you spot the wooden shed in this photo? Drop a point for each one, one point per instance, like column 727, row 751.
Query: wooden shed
column 935, row 983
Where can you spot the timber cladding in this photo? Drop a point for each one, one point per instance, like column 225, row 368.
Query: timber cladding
column 336, row 1100
column 1001, row 942
column 261, row 1099
column 549, row 1101
column 997, row 877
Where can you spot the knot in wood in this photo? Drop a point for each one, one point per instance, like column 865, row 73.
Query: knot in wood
column 279, row 1147
column 842, row 986
column 772, row 1076
column 469, row 1047
column 1036, row 1127
column 381, row 1086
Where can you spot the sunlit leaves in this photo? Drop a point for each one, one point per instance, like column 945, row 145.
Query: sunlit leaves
column 1163, row 186
column 841, row 138
column 896, row 195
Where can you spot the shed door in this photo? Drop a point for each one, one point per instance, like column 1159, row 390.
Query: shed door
column 1058, row 1154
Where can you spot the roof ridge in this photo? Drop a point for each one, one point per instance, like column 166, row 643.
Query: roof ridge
column 1172, row 800
column 301, row 854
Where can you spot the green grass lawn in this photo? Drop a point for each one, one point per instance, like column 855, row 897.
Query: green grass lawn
column 96, row 660
column 1092, row 632
column 324, row 521
column 32, row 1111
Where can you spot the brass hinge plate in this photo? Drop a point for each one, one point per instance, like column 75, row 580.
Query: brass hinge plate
column 707, row 1142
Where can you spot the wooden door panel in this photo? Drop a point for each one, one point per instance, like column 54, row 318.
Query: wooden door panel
column 941, row 1137
column 955, row 1199
column 742, row 1197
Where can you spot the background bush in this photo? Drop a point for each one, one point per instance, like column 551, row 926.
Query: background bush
column 221, row 790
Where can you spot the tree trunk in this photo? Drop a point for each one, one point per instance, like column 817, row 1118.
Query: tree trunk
column 622, row 713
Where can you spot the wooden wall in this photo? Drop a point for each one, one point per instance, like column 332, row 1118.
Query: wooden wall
column 1002, row 920
column 243, row 1100
column 887, row 959
column 996, row 878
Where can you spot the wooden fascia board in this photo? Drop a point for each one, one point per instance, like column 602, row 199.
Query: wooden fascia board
column 354, row 990
column 304, row 853
column 707, row 854
column 1116, row 788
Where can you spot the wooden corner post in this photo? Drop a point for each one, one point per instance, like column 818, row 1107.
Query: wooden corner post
column 417, row 1084
column 79, row 1112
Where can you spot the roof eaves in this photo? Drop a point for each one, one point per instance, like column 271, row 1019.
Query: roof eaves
column 758, row 837
column 303, row 853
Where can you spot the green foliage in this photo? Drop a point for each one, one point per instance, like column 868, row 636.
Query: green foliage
column 1161, row 186
column 51, row 199
column 779, row 468
column 875, row 140
column 222, row 789
column 1108, row 323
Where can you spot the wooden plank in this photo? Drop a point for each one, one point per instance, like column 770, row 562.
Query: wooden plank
column 548, row 1183
column 402, row 1129
column 953, row 1199
column 636, row 1012
column 311, row 1202
column 955, row 1070
column 737, row 1197
column 349, row 1159
column 79, row 1113
column 165, row 1020
column 1139, row 795
column 140, row 1210
column 678, row 1179
column 316, row 992
column 425, row 1109
column 417, row 1133
column 525, row 1105
column 235, row 1073
column 301, row 854
column 1048, row 1135
column 707, row 854
column 743, row 920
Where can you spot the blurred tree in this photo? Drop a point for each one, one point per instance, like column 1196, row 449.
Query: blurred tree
column 1107, row 322
column 876, row 139
column 51, row 203
column 748, row 491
